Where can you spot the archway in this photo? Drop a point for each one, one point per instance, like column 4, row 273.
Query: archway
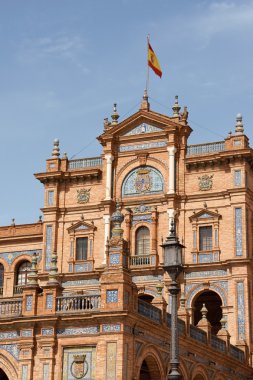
column 213, row 304
column 149, row 369
column 146, row 297
column 3, row 375
column 199, row 377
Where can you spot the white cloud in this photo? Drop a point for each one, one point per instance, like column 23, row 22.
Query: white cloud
column 65, row 47
column 224, row 16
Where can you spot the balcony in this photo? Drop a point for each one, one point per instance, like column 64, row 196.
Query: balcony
column 10, row 307
column 73, row 304
column 142, row 261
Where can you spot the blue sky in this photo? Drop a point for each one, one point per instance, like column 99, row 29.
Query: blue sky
column 64, row 63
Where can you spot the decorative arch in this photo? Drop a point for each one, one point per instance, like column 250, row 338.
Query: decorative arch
column 18, row 260
column 199, row 373
column 154, row 362
column 195, row 292
column 183, row 370
column 142, row 180
column 4, row 264
column 8, row 365
column 21, row 273
column 219, row 377
column 162, row 165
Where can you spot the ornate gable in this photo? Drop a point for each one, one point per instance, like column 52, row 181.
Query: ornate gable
column 81, row 226
column 140, row 123
column 205, row 214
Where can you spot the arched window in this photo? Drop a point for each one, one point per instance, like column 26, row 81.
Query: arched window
column 1, row 277
column 142, row 245
column 22, row 273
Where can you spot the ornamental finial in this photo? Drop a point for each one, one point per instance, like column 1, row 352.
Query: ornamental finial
column 107, row 123
column 204, row 311
column 117, row 219
column 115, row 115
column 56, row 149
column 176, row 107
column 145, row 103
column 33, row 273
column 239, row 124
column 53, row 272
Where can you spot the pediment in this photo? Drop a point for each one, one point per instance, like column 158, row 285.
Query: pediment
column 205, row 214
column 81, row 226
column 140, row 123
column 141, row 129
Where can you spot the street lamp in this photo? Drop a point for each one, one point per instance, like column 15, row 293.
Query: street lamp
column 173, row 266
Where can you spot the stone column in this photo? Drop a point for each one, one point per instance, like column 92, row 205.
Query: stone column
column 107, row 234
column 171, row 150
column 108, row 190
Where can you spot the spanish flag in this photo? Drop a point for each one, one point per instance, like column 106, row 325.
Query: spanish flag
column 153, row 61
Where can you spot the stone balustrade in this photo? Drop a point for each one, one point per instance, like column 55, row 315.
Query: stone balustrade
column 155, row 314
column 72, row 304
column 85, row 163
column 10, row 307
column 18, row 289
column 199, row 149
column 149, row 311
column 142, row 260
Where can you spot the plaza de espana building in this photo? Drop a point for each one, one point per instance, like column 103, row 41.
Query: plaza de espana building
column 83, row 292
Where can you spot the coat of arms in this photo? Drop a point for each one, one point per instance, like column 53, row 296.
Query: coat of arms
column 79, row 367
column 205, row 182
column 83, row 195
column 143, row 181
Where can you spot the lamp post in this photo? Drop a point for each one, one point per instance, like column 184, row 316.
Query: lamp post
column 173, row 266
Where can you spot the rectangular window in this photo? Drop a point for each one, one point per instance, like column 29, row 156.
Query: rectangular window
column 238, row 177
column 81, row 248
column 50, row 198
column 205, row 238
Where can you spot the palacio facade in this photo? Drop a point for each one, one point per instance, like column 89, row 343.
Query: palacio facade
column 83, row 294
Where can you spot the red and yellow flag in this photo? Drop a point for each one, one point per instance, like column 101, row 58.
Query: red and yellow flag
column 153, row 61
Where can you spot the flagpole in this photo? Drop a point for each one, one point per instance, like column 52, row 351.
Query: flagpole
column 147, row 80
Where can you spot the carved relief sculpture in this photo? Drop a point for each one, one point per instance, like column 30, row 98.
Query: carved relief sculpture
column 83, row 195
column 79, row 366
column 205, row 182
